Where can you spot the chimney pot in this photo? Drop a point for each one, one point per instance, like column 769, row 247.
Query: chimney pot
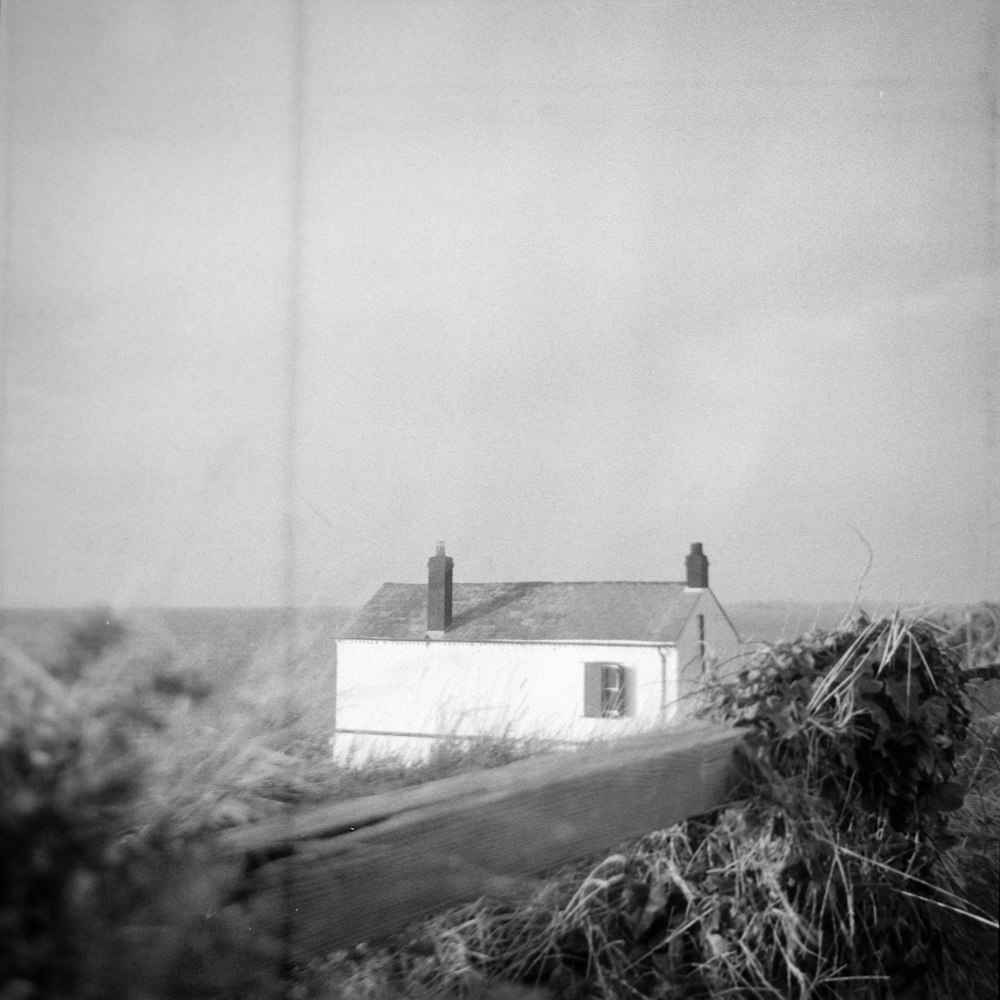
column 439, row 592
column 696, row 564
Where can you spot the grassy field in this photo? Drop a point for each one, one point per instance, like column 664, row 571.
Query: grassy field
column 221, row 643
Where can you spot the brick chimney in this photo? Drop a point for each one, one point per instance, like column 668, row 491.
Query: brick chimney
column 439, row 568
column 697, row 567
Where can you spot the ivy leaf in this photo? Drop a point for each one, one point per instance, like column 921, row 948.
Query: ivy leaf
column 934, row 711
column 905, row 695
column 948, row 797
column 883, row 725
column 868, row 685
column 945, row 840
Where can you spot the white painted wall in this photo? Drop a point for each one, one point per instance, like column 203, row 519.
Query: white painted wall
column 530, row 689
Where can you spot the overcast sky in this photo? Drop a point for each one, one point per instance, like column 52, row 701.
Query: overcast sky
column 567, row 285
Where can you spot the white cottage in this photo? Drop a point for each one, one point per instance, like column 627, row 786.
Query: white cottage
column 560, row 661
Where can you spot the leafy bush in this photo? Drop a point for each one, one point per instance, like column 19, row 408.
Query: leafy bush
column 875, row 712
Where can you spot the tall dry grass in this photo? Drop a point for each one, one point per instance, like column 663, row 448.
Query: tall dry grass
column 98, row 897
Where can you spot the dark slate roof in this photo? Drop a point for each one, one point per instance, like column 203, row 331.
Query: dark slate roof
column 533, row 612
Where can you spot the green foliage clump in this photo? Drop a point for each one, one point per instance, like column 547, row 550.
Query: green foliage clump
column 874, row 714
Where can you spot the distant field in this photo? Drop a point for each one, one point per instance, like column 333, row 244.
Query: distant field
column 777, row 621
column 220, row 641
column 774, row 621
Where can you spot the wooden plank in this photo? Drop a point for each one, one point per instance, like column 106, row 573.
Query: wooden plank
column 454, row 840
column 341, row 817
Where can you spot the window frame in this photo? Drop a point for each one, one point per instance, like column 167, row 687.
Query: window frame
column 606, row 694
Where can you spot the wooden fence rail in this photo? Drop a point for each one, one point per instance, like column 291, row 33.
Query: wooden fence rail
column 335, row 875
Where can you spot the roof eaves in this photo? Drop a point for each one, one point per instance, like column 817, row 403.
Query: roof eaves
column 522, row 642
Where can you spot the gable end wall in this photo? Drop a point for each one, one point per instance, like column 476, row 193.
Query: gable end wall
column 721, row 640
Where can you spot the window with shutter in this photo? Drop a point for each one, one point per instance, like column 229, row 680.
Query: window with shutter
column 604, row 690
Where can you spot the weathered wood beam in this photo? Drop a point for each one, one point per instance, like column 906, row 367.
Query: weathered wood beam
column 364, row 868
